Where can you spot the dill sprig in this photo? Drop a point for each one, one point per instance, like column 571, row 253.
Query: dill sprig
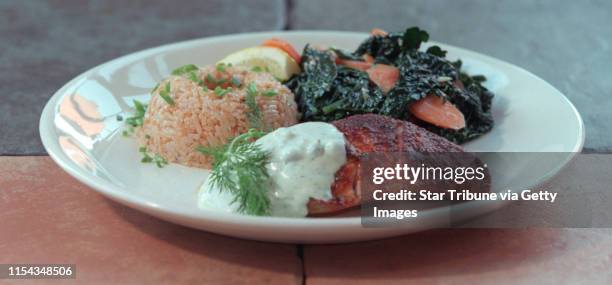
column 240, row 167
column 254, row 115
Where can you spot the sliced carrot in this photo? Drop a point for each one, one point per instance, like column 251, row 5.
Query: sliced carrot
column 285, row 46
column 361, row 65
column 368, row 58
column 378, row 32
column 438, row 112
column 385, row 76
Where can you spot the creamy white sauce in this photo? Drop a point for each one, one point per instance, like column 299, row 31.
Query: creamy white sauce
column 302, row 164
column 214, row 199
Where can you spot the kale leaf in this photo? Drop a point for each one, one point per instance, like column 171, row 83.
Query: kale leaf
column 412, row 38
column 388, row 48
column 326, row 92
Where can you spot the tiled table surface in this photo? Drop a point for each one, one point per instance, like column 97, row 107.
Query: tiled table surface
column 47, row 216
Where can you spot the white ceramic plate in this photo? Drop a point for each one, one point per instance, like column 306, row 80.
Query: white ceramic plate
column 79, row 130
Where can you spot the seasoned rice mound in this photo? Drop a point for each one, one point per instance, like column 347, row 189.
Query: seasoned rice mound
column 201, row 117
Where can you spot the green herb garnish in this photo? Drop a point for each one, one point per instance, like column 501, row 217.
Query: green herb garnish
column 269, row 93
column 155, row 158
column 165, row 94
column 256, row 69
column 236, row 82
column 240, row 167
column 138, row 118
column 221, row 81
column 155, row 88
column 210, row 78
column 252, row 89
column 193, row 76
column 254, row 113
column 221, row 67
column 184, row 69
column 221, row 92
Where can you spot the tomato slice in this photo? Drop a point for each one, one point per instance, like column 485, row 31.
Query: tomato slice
column 385, row 76
column 438, row 112
column 284, row 46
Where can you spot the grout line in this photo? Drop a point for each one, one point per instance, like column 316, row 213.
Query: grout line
column 25, row 154
column 300, row 254
column 588, row 150
column 280, row 15
column 288, row 5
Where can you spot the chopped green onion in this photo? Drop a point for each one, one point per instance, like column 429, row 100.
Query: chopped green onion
column 140, row 108
column 221, row 92
column 221, row 67
column 155, row 88
column 221, row 81
column 156, row 158
column 269, row 93
column 159, row 161
column 184, row 69
column 236, row 82
column 165, row 94
column 193, row 76
column 138, row 118
column 256, row 69
column 210, row 78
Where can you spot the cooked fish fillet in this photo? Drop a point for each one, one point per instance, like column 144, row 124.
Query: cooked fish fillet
column 374, row 133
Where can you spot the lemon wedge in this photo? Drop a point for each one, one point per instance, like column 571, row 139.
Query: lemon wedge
column 270, row 59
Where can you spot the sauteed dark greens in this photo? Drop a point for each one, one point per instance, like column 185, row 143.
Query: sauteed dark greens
column 388, row 75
